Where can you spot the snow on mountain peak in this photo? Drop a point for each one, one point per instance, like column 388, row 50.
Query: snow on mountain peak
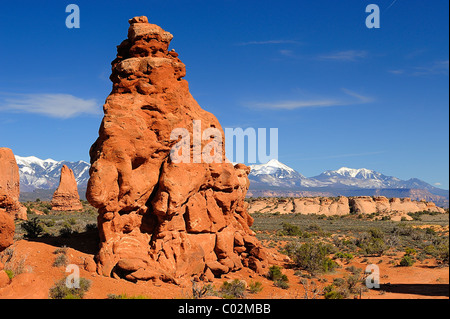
column 272, row 167
column 352, row 172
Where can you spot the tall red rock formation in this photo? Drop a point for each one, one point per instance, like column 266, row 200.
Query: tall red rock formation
column 157, row 218
column 66, row 197
column 10, row 185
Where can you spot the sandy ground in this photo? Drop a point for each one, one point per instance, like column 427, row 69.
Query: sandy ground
column 423, row 280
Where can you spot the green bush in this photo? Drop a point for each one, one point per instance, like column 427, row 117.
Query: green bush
column 332, row 293
column 61, row 291
column 290, row 230
column 276, row 275
column 254, row 287
column 60, row 260
column 406, row 261
column 344, row 256
column 233, row 290
column 313, row 257
column 372, row 243
column 33, row 228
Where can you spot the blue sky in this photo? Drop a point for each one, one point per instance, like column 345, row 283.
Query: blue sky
column 339, row 93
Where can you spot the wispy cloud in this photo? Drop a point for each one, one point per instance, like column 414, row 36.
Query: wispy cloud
column 269, row 42
column 53, row 105
column 440, row 67
column 345, row 56
column 437, row 184
column 314, row 103
column 397, row 72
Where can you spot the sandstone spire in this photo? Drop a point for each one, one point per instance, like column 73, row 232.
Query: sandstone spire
column 159, row 219
column 66, row 197
column 10, row 185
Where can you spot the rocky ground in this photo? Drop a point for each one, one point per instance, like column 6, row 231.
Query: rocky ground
column 37, row 264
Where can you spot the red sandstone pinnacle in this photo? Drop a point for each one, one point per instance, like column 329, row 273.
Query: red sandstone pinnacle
column 10, row 185
column 158, row 219
column 66, row 196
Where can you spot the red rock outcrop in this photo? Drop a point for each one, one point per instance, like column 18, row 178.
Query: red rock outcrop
column 66, row 197
column 10, row 185
column 160, row 219
column 7, row 229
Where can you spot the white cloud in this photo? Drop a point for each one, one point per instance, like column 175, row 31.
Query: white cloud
column 435, row 68
column 349, row 55
column 315, row 102
column 437, row 184
column 53, row 105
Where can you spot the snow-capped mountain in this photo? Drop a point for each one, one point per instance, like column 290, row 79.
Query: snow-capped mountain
column 275, row 173
column 362, row 178
column 36, row 173
column 277, row 178
column 274, row 167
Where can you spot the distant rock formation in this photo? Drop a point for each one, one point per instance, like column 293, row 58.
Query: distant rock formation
column 159, row 219
column 342, row 205
column 10, row 185
column 66, row 196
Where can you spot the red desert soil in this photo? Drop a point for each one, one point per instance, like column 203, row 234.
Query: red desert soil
column 423, row 280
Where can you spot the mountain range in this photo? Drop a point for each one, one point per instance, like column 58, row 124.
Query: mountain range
column 277, row 179
column 41, row 177
column 36, row 173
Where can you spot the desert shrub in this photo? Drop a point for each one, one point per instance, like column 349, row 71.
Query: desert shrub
column 354, row 270
column 205, row 290
column 313, row 257
column 441, row 252
column 330, row 292
column 232, row 290
column 372, row 242
column 61, row 291
column 276, row 275
column 406, row 261
column 410, row 251
column 344, row 256
column 281, row 283
column 290, row 230
column 254, row 287
column 338, row 282
column 60, row 260
column 33, row 228
column 49, row 222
